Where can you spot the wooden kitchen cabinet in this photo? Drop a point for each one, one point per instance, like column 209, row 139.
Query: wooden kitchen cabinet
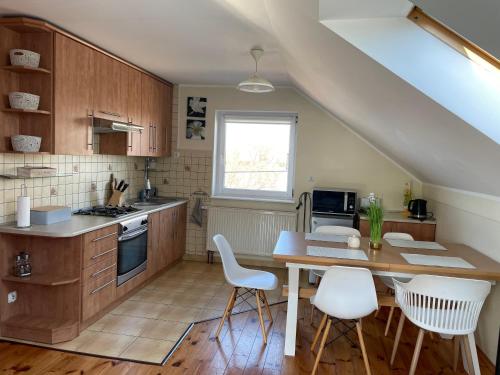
column 419, row 231
column 73, row 92
column 147, row 117
column 134, row 104
column 180, row 223
column 110, row 88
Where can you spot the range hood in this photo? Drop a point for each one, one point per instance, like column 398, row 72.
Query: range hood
column 102, row 125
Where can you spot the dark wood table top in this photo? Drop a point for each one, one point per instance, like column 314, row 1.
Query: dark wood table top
column 292, row 248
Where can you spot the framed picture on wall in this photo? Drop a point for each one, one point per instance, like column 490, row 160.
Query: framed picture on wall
column 195, row 129
column 196, row 106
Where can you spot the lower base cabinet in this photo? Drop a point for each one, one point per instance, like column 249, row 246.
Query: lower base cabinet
column 419, row 231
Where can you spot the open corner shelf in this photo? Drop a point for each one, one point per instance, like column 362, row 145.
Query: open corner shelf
column 48, row 330
column 30, row 111
column 43, row 280
column 25, row 69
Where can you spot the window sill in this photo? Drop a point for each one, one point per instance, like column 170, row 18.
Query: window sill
column 250, row 199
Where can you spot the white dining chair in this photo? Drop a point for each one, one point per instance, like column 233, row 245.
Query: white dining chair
column 344, row 293
column 334, row 230
column 387, row 280
column 445, row 305
column 256, row 282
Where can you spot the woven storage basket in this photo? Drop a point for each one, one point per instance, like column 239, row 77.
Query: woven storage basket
column 24, row 100
column 24, row 57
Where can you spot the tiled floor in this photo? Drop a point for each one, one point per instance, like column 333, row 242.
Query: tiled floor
column 148, row 325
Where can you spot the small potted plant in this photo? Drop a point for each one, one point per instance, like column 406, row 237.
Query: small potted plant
column 376, row 219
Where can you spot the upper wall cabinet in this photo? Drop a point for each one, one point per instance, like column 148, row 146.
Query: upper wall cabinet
column 110, row 88
column 76, row 81
column 74, row 85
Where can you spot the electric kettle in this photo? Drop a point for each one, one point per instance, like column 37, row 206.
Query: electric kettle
column 418, row 209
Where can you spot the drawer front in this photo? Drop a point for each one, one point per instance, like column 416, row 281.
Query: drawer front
column 98, row 244
column 98, row 294
column 105, row 266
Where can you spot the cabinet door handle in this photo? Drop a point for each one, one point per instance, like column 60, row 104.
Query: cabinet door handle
column 115, row 114
column 150, row 137
column 103, row 270
column 130, row 135
column 102, row 254
column 155, row 140
column 103, row 237
column 90, row 129
column 102, row 287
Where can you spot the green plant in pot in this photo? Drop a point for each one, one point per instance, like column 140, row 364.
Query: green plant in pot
column 376, row 219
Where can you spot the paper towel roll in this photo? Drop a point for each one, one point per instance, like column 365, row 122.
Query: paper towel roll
column 23, row 211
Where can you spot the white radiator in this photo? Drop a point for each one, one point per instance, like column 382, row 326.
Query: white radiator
column 251, row 232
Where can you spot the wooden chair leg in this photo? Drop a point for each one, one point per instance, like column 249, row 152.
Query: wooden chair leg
column 235, row 297
column 389, row 319
column 268, row 309
column 378, row 311
column 416, row 353
column 318, row 332
column 321, row 346
column 456, row 352
column 261, row 319
column 226, row 311
column 363, row 348
column 433, row 336
column 398, row 336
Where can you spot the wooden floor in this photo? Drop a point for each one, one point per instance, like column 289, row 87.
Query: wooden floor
column 241, row 352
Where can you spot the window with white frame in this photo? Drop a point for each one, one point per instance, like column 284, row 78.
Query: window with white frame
column 254, row 155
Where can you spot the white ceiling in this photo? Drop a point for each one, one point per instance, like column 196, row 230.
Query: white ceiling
column 206, row 42
column 194, row 41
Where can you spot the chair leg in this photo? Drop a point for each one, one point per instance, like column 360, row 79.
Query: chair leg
column 472, row 354
column 389, row 319
column 318, row 331
column 233, row 301
column 363, row 348
column 261, row 319
column 377, row 312
column 321, row 346
column 456, row 352
column 416, row 353
column 226, row 311
column 398, row 336
column 268, row 309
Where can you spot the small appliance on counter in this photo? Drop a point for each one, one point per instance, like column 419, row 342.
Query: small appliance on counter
column 418, row 210
column 46, row 215
column 22, row 267
column 334, row 207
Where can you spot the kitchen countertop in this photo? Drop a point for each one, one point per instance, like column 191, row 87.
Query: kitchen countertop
column 80, row 224
column 400, row 218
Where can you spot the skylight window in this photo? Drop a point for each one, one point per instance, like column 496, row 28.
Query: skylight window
column 454, row 40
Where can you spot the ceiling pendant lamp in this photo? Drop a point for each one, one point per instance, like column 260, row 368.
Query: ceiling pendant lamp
column 255, row 83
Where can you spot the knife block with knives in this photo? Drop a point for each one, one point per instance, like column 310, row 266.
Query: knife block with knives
column 117, row 197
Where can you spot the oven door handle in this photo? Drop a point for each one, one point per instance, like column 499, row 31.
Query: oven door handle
column 131, row 235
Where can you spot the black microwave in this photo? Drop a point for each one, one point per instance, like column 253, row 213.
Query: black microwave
column 334, row 202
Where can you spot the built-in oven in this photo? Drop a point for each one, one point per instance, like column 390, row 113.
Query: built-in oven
column 327, row 201
column 132, row 248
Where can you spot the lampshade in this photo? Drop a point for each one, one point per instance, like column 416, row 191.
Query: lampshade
column 255, row 83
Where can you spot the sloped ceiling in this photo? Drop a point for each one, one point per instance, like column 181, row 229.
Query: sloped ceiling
column 207, row 42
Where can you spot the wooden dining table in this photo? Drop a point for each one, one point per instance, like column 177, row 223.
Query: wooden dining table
column 291, row 248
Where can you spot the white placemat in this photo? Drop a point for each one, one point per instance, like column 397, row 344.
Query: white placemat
column 435, row 260
column 328, row 252
column 326, row 237
column 428, row 245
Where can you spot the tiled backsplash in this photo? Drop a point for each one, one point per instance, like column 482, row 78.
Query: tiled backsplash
column 86, row 185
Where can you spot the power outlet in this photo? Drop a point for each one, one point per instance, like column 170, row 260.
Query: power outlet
column 12, row 297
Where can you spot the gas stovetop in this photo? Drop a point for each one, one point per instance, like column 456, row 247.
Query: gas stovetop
column 107, row 211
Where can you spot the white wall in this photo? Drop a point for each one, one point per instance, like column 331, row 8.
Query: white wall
column 472, row 219
column 327, row 151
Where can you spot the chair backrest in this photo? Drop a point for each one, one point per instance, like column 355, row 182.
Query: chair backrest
column 231, row 267
column 346, row 293
column 338, row 230
column 442, row 304
column 398, row 236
